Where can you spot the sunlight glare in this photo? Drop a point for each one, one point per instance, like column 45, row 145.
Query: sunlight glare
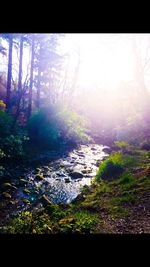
column 101, row 64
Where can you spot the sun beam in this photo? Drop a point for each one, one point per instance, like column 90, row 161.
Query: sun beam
column 105, row 59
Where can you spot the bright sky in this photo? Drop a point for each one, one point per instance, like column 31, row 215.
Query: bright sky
column 105, row 58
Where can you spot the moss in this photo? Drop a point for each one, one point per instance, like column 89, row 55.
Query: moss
column 39, row 176
column 109, row 170
column 124, row 198
column 90, row 205
column 6, row 195
column 85, row 189
column 113, row 167
column 7, row 185
column 26, row 191
column 38, row 169
column 22, row 181
column 104, row 187
column 117, row 212
column 26, row 201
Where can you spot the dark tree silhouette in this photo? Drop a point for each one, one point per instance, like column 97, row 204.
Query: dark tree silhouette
column 9, row 73
column 31, row 76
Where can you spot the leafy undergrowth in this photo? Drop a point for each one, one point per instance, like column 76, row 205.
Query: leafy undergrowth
column 118, row 205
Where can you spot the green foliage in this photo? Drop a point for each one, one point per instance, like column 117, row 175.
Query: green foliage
column 113, row 166
column 126, row 181
column 50, row 127
column 84, row 221
column 5, row 124
column 30, row 223
column 13, row 146
column 55, row 212
column 103, row 187
column 42, row 128
column 85, row 189
column 72, row 126
column 116, row 211
column 123, row 145
column 125, row 198
column 21, row 224
column 80, row 222
column 110, row 168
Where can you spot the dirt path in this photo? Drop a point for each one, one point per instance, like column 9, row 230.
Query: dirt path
column 137, row 222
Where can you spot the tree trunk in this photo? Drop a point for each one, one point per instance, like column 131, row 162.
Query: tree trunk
column 20, row 93
column 31, row 78
column 19, row 83
column 20, row 64
column 39, row 80
column 9, row 73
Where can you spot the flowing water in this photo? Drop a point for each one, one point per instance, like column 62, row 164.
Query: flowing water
column 62, row 179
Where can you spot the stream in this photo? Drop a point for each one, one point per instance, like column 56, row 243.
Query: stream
column 60, row 180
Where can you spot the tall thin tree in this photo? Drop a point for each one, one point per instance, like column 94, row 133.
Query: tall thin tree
column 31, row 76
column 39, row 79
column 20, row 64
column 20, row 91
column 9, row 73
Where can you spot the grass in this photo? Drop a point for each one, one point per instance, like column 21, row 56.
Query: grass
column 112, row 167
column 85, row 221
column 103, row 204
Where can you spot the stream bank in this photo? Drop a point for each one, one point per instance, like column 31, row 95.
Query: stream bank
column 59, row 179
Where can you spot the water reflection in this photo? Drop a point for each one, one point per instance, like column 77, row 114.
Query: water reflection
column 58, row 183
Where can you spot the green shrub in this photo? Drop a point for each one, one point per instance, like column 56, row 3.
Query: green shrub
column 13, row 146
column 126, row 178
column 125, row 198
column 29, row 223
column 42, row 128
column 113, row 166
column 84, row 221
column 5, row 124
column 110, row 168
column 123, row 145
column 72, row 127
column 55, row 212
column 52, row 127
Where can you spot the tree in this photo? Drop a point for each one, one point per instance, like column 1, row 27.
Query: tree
column 39, row 77
column 20, row 63
column 69, row 84
column 9, row 73
column 31, row 75
column 48, row 64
